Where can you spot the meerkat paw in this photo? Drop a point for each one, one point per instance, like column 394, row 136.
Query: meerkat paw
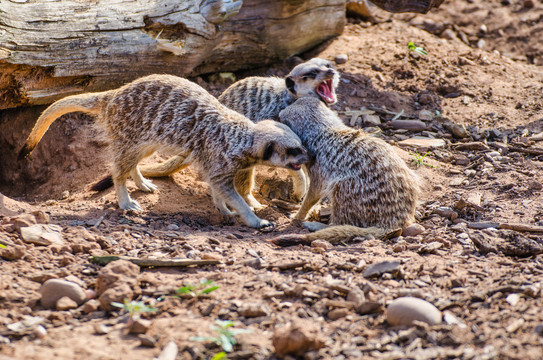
column 131, row 205
column 147, row 186
column 266, row 226
column 253, row 203
column 314, row 226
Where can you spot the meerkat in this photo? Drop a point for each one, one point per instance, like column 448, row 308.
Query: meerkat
column 370, row 188
column 260, row 98
column 164, row 112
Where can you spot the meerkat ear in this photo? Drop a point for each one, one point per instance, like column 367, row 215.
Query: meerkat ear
column 268, row 152
column 290, row 85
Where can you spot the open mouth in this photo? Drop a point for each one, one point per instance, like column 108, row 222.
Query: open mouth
column 326, row 91
column 294, row 166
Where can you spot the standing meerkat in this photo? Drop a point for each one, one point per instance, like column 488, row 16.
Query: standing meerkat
column 370, row 188
column 164, row 112
column 260, row 98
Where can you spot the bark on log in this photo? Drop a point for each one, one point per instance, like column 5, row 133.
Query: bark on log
column 53, row 48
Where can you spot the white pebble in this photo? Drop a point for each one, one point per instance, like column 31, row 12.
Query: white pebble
column 405, row 310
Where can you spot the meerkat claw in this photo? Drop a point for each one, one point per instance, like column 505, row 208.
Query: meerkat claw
column 266, row 226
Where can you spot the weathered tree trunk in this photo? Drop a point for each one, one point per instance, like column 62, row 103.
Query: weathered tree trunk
column 53, row 48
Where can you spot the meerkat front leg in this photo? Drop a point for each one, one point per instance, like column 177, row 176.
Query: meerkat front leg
column 224, row 188
column 244, row 183
column 300, row 183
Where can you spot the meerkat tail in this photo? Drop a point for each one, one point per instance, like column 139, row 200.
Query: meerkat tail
column 334, row 235
column 87, row 103
column 167, row 168
column 103, row 184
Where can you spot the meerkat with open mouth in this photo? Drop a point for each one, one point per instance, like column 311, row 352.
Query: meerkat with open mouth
column 260, row 98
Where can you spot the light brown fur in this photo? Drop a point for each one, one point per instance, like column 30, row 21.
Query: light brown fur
column 170, row 113
column 367, row 184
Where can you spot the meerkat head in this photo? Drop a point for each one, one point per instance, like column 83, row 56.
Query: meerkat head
column 277, row 145
column 317, row 78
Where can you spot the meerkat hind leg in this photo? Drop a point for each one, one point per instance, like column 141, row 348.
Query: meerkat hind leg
column 123, row 197
column 311, row 198
column 244, row 182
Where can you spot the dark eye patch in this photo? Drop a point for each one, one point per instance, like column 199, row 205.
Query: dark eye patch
column 294, row 151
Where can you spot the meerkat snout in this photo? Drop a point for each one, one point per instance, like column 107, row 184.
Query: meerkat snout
column 291, row 157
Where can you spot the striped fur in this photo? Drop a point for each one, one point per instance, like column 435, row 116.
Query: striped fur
column 163, row 112
column 367, row 183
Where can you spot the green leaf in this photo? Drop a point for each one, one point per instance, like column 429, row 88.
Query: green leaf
column 116, row 304
column 208, row 290
column 2, row 246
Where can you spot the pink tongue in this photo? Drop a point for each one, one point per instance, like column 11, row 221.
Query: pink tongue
column 325, row 90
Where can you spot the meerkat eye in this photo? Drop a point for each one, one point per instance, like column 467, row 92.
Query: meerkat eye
column 294, row 151
column 311, row 75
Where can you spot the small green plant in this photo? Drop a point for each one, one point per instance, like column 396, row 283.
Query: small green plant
column 226, row 335
column 219, row 356
column 418, row 50
column 204, row 287
column 2, row 246
column 134, row 308
column 418, row 159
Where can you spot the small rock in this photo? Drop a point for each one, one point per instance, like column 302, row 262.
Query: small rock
column 54, row 289
column 423, row 143
column 297, row 338
column 515, row 325
column 41, row 234
column 25, row 326
column 356, row 296
column 139, row 326
column 382, row 268
column 210, row 256
column 426, row 115
column 101, row 329
column 169, row 352
column 256, row 263
column 341, row 59
column 405, row 310
column 13, row 252
column 411, row 125
column 21, row 221
column 448, row 34
column 481, row 43
column 459, row 130
column 90, row 306
column 117, row 281
column 512, row 299
column 40, row 332
column 323, row 244
column 338, row 313
column 371, row 120
column 370, row 307
column 252, row 310
column 65, row 303
column 413, row 230
column 146, row 340
column 430, row 248
column 450, row 319
column 172, row 227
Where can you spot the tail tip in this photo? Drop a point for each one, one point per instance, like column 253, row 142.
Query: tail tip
column 24, row 152
column 103, row 184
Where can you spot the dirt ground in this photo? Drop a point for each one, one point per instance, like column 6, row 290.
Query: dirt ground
column 479, row 90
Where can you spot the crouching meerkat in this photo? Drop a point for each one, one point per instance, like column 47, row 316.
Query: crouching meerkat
column 164, row 112
column 260, row 98
column 371, row 189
